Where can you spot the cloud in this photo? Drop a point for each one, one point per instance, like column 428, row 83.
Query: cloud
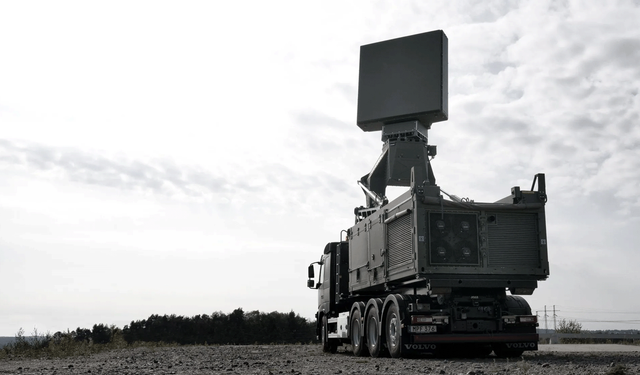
column 559, row 97
column 268, row 187
column 315, row 120
column 251, row 134
column 157, row 176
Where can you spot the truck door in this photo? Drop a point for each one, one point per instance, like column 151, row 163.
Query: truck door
column 324, row 292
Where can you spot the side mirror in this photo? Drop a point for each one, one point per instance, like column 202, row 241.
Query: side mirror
column 311, row 273
column 310, row 283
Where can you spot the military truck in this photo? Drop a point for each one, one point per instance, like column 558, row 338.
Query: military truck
column 426, row 272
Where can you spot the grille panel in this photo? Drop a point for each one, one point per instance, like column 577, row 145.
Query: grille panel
column 513, row 241
column 400, row 243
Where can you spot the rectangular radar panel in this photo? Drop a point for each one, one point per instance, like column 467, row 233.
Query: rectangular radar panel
column 403, row 79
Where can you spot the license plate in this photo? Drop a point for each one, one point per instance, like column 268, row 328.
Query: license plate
column 423, row 329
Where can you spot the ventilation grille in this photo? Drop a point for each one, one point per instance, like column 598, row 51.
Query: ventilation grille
column 513, row 240
column 400, row 243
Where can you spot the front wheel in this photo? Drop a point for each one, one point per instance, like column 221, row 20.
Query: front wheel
column 393, row 331
column 327, row 345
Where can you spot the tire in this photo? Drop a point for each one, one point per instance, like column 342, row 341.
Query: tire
column 372, row 332
column 327, row 345
column 517, row 305
column 393, row 331
column 357, row 337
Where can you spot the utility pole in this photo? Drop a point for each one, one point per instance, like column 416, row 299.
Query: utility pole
column 554, row 318
column 546, row 328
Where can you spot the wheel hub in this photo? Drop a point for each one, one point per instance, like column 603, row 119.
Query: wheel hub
column 393, row 330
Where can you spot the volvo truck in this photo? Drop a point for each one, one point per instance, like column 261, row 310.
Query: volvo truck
column 426, row 272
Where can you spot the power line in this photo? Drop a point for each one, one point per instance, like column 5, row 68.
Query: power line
column 589, row 320
column 595, row 310
column 603, row 312
column 577, row 314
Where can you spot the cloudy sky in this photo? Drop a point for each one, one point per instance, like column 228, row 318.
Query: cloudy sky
column 191, row 157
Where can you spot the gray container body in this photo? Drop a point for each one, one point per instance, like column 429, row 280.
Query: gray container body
column 449, row 245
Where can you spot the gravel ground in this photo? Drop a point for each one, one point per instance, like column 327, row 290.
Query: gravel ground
column 309, row 359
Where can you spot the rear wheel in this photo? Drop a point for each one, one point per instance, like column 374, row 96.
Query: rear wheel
column 357, row 338
column 373, row 332
column 328, row 345
column 393, row 331
column 514, row 305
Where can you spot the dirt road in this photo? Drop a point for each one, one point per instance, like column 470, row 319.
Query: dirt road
column 309, row 359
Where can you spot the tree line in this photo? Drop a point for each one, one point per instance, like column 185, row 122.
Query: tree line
column 237, row 328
